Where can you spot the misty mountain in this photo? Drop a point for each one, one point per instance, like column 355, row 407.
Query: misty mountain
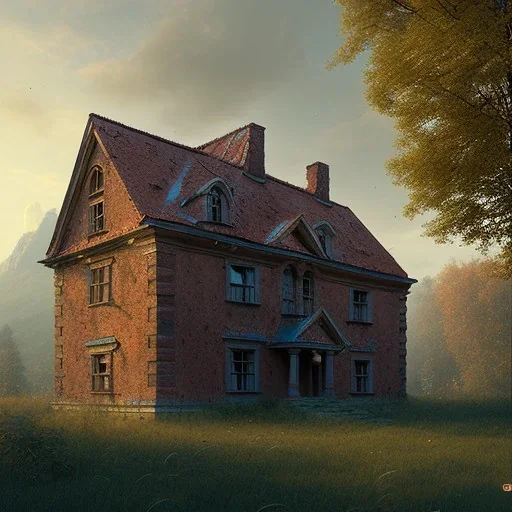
column 26, row 303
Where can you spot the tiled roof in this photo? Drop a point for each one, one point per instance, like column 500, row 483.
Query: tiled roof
column 159, row 174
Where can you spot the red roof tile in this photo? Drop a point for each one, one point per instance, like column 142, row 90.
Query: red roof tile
column 159, row 174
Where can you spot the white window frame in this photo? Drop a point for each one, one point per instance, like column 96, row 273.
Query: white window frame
column 232, row 347
column 355, row 376
column 353, row 304
column 230, row 296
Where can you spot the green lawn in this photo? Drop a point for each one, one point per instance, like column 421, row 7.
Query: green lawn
column 270, row 457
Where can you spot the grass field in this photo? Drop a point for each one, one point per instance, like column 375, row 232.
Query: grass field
column 428, row 456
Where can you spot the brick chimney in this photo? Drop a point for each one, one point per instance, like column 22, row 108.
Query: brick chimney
column 317, row 175
column 255, row 161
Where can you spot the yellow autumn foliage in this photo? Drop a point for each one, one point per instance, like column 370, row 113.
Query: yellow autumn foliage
column 443, row 70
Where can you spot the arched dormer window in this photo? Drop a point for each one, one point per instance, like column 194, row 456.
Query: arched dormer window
column 218, row 206
column 325, row 234
column 307, row 293
column 96, row 181
column 288, row 292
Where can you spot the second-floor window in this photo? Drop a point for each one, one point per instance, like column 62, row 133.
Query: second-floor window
column 243, row 284
column 96, row 217
column 100, row 284
column 360, row 306
column 288, row 292
column 307, row 293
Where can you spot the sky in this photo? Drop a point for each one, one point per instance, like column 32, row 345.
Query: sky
column 191, row 71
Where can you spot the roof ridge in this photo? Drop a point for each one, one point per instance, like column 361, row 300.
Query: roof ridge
column 204, row 153
column 223, row 136
column 152, row 135
column 162, row 139
column 301, row 189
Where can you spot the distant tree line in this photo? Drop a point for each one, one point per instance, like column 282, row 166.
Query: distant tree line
column 12, row 371
column 460, row 333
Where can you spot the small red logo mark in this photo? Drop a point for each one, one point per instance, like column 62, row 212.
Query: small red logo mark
column 507, row 487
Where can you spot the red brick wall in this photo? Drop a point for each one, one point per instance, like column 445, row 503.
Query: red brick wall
column 126, row 319
column 120, row 213
column 202, row 316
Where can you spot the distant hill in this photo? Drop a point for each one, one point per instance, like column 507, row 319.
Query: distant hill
column 26, row 303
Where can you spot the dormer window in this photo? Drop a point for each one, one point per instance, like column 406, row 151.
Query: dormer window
column 96, row 181
column 218, row 206
column 215, row 205
column 325, row 234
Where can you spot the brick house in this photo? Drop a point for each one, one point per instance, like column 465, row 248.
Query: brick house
column 187, row 275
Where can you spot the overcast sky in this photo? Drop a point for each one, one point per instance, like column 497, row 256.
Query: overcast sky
column 191, row 71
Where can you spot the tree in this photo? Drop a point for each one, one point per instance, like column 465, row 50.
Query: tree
column 477, row 326
column 443, row 70
column 12, row 372
column 431, row 368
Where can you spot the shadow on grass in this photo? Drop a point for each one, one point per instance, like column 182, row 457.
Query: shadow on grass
column 259, row 457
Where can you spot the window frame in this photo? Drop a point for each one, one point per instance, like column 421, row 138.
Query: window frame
column 353, row 304
column 325, row 231
column 94, row 217
column 369, row 376
column 216, row 191
column 96, row 373
column 289, row 310
column 308, row 275
column 230, row 296
column 232, row 347
column 94, row 189
column 108, row 283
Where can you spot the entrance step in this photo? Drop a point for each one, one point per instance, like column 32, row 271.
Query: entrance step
column 335, row 408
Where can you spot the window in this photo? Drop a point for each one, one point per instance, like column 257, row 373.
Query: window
column 307, row 293
column 218, row 206
column 288, row 292
column 362, row 376
column 242, row 375
column 100, row 285
column 96, row 217
column 243, row 284
column 360, row 306
column 325, row 234
column 101, row 372
column 96, row 182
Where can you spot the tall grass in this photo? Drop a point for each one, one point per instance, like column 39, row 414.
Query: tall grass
column 264, row 457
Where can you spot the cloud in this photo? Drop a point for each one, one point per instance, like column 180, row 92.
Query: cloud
column 211, row 59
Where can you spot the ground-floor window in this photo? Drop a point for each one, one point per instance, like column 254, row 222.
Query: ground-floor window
column 101, row 372
column 362, row 378
column 242, row 369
